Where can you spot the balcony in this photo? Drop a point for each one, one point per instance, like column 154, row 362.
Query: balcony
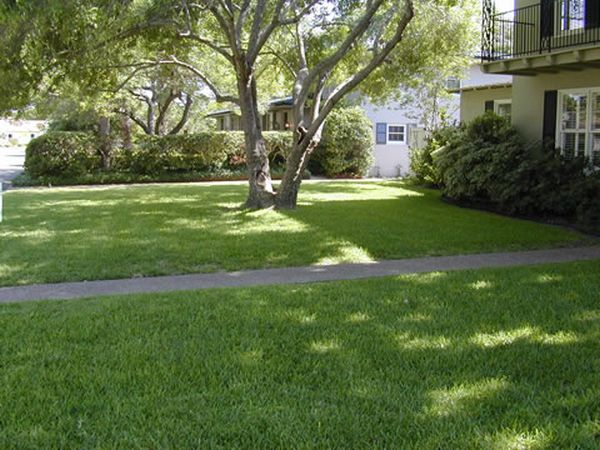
column 550, row 36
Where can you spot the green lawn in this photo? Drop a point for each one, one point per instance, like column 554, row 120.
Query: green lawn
column 505, row 358
column 83, row 234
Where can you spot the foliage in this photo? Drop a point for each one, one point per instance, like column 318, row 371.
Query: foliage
column 196, row 152
column 347, row 144
column 60, row 153
column 422, row 164
column 180, row 228
column 487, row 163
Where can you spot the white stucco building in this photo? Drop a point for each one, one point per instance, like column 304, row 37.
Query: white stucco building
column 15, row 132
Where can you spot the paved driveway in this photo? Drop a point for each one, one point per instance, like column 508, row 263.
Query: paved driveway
column 11, row 162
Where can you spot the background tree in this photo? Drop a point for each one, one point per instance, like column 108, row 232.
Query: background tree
column 239, row 49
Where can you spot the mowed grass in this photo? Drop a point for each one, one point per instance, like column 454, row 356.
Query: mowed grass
column 505, row 358
column 119, row 232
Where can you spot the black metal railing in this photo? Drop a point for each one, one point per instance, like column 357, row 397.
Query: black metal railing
column 539, row 28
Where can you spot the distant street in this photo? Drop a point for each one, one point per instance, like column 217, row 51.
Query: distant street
column 11, row 162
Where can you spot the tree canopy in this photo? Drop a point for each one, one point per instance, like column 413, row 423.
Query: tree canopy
column 241, row 52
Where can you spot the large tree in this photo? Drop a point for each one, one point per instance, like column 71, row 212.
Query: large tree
column 318, row 51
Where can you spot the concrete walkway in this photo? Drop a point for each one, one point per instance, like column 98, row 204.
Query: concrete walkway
column 293, row 274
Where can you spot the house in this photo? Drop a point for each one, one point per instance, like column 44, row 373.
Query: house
column 15, row 132
column 551, row 48
column 480, row 92
column 395, row 131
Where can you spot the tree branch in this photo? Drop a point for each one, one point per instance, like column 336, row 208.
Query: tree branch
column 185, row 116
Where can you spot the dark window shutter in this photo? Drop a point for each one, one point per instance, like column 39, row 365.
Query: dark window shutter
column 489, row 105
column 381, row 133
column 592, row 14
column 550, row 109
column 546, row 19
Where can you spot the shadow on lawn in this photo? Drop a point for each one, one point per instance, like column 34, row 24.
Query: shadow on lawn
column 423, row 361
column 149, row 230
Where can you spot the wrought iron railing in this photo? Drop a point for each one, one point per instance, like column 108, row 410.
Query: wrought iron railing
column 539, row 28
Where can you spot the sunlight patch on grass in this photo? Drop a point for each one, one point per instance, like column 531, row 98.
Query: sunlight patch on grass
column 447, row 402
column 251, row 357
column 503, row 337
column 416, row 317
column 360, row 192
column 267, row 221
column 347, row 253
column 300, row 316
column 358, row 317
column 325, row 346
column 40, row 234
column 588, row 316
column 406, row 342
column 427, row 278
column 515, row 440
column 480, row 284
column 547, row 278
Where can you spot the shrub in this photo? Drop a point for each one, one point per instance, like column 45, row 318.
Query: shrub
column 61, row 153
column 346, row 147
column 422, row 165
column 487, row 163
column 196, row 152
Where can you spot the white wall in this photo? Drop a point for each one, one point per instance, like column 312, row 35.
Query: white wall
column 20, row 132
column 392, row 159
column 475, row 77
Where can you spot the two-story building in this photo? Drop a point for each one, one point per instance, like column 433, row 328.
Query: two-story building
column 552, row 50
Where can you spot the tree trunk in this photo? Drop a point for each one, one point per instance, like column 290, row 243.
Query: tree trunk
column 297, row 161
column 105, row 142
column 260, row 192
column 126, row 133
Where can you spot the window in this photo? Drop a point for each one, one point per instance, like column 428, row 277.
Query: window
column 571, row 15
column 503, row 108
column 578, row 130
column 396, row 134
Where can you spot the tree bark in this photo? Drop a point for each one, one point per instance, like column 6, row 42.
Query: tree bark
column 126, row 132
column 260, row 192
column 296, row 163
column 105, row 142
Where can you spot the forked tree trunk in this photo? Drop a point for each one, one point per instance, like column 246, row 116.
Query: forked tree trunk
column 296, row 163
column 260, row 192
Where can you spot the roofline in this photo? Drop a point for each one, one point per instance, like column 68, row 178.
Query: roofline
column 481, row 87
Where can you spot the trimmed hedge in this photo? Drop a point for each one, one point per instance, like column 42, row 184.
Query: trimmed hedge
column 346, row 147
column 61, row 153
column 202, row 152
column 488, row 164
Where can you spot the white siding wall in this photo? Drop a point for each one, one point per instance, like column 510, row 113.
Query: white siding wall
column 393, row 159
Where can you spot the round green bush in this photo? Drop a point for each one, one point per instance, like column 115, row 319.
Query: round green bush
column 62, row 153
column 346, row 147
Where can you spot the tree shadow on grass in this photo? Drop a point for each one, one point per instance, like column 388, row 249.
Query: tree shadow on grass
column 118, row 233
column 409, row 362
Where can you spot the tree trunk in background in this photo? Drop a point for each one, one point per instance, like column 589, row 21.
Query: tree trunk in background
column 126, row 133
column 260, row 192
column 105, row 142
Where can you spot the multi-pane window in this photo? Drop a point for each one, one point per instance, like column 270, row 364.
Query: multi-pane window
column 503, row 108
column 571, row 15
column 397, row 134
column 579, row 124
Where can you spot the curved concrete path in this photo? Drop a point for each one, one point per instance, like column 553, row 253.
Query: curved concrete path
column 62, row 291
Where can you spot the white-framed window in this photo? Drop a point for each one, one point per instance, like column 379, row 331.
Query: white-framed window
column 503, row 108
column 578, row 127
column 570, row 15
column 396, row 133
